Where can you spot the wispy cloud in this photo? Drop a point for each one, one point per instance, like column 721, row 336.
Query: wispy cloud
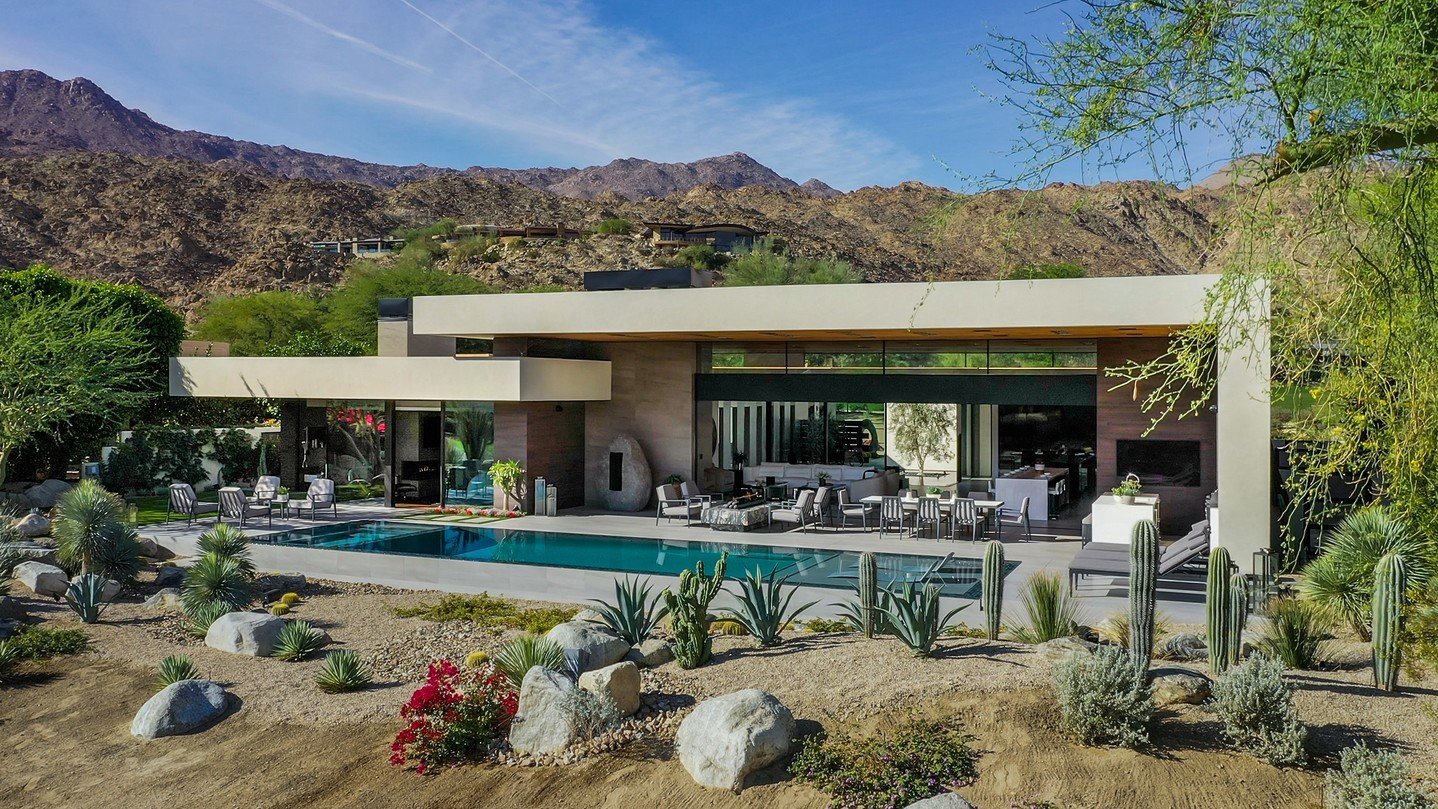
column 364, row 45
column 480, row 51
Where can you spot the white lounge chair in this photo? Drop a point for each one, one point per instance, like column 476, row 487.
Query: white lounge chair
column 266, row 489
column 673, row 505
column 801, row 514
column 321, row 495
column 849, row 510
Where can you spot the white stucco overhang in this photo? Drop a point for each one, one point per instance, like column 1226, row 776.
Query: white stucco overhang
column 481, row 379
column 1080, row 307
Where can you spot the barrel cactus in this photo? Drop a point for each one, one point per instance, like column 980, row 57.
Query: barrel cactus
column 689, row 613
column 868, row 591
column 991, row 597
column 1217, row 599
column 1142, row 592
column 1390, row 578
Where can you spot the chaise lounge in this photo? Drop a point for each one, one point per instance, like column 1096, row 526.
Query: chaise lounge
column 1111, row 559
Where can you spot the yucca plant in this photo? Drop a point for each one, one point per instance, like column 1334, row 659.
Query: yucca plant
column 216, row 578
column 91, row 536
column 175, row 668
column 86, row 597
column 1115, row 628
column 515, row 658
column 1050, row 609
column 198, row 617
column 9, row 656
column 343, row 671
column 229, row 541
column 764, row 606
column 9, row 558
column 1341, row 578
column 298, row 640
column 1297, row 632
column 915, row 617
column 634, row 613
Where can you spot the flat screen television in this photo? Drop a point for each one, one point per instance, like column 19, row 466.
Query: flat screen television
column 1160, row 462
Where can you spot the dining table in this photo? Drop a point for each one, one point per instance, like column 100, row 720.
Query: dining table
column 986, row 508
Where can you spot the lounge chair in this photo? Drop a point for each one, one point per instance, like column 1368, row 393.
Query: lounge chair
column 266, row 488
column 321, row 495
column 1021, row 518
column 1111, row 559
column 690, row 491
column 849, row 510
column 673, row 505
column 801, row 514
column 234, row 506
column 183, row 501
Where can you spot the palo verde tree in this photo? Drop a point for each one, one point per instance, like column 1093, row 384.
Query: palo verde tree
column 923, row 432
column 1330, row 108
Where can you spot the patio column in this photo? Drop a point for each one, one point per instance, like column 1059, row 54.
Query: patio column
column 1245, row 467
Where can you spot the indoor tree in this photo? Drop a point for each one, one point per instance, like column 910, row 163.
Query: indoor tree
column 923, row 432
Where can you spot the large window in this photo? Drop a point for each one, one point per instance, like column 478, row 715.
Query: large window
column 468, row 453
column 798, row 433
column 906, row 357
column 354, row 449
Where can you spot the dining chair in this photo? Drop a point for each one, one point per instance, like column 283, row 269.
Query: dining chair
column 1021, row 518
column 965, row 515
column 891, row 514
column 928, row 515
column 849, row 509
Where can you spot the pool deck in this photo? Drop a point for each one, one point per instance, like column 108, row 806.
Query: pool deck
column 1181, row 602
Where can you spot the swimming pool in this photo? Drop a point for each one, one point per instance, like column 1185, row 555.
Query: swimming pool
column 959, row 576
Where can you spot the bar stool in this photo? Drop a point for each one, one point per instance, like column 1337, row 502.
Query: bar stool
column 1057, row 492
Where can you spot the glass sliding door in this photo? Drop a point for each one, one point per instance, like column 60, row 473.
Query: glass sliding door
column 354, row 449
column 468, row 453
column 418, row 461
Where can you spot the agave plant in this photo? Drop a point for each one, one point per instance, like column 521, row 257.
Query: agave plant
column 86, row 597
column 199, row 616
column 216, row 578
column 229, row 541
column 9, row 558
column 1341, row 578
column 1297, row 633
column 764, row 606
column 343, row 671
column 516, row 658
column 90, row 535
column 175, row 668
column 634, row 613
column 9, row 656
column 914, row 616
column 1050, row 609
column 298, row 640
column 852, row 611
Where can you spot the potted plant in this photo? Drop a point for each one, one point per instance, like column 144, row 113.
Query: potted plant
column 1127, row 490
column 508, row 477
column 823, row 478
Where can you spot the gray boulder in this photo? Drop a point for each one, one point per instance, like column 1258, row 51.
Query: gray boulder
column 169, row 577
column 1183, row 647
column 1061, row 650
column 726, row 738
column 636, row 481
column 13, row 610
column 182, row 707
column 542, row 723
column 33, row 525
column 650, row 653
column 166, row 600
column 590, row 616
column 591, row 646
column 153, row 550
column 944, row 800
column 619, row 682
column 42, row 579
column 8, row 627
column 1172, row 686
column 46, row 494
column 245, row 633
column 285, row 582
column 35, row 552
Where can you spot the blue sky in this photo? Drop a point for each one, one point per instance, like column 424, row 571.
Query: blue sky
column 855, row 93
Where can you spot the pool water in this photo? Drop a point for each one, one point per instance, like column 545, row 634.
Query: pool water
column 810, row 567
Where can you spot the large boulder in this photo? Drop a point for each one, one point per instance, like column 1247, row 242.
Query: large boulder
column 171, row 576
column 650, row 653
column 46, row 494
column 589, row 616
column 619, row 682
column 944, row 800
column 182, row 707
column 42, row 579
column 33, row 525
column 624, row 463
column 1174, row 686
column 728, row 737
column 1062, row 650
column 35, row 552
column 12, row 609
column 591, row 646
column 151, row 549
column 542, row 723
column 1183, row 647
column 165, row 600
column 245, row 633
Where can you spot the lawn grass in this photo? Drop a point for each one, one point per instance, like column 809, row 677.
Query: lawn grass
column 151, row 508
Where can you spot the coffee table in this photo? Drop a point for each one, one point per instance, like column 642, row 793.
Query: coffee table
column 736, row 518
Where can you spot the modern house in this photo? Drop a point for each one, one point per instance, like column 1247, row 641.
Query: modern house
column 723, row 237
column 772, row 382
column 376, row 246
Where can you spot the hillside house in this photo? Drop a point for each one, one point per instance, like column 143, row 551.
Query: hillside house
column 723, row 237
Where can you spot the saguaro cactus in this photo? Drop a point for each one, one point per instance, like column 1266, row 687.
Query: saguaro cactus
column 689, row 613
column 1216, row 599
column 992, row 597
column 868, row 592
column 1237, row 615
column 1142, row 592
column 1390, row 578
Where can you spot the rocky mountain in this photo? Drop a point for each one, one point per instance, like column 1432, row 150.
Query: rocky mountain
column 192, row 230
column 40, row 115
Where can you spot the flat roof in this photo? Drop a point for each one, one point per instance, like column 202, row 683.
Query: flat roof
column 1134, row 306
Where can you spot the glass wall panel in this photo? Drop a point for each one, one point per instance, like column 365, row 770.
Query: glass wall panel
column 905, row 357
column 835, row 357
column 926, row 357
column 468, row 453
column 849, row 433
column 1039, row 355
column 354, row 452
column 748, row 358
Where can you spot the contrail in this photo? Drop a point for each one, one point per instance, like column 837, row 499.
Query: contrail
column 340, row 35
column 481, row 52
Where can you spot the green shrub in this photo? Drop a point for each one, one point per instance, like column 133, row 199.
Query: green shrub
column 1035, row 272
column 489, row 611
column 86, row 597
column 825, row 625
column 1050, row 609
column 918, row 760
column 216, row 579
column 9, row 656
column 515, row 658
column 1420, row 631
column 1341, row 578
column 175, row 668
column 298, row 640
column 1372, row 779
column 615, row 227
column 343, row 671
column 1297, row 633
column 228, row 541
column 42, row 643
column 1103, row 699
column 198, row 617
column 1255, row 705
column 764, row 608
column 475, row 247
column 635, row 613
column 590, row 713
column 699, row 257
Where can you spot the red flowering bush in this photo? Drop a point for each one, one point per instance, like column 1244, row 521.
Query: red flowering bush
column 454, row 717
